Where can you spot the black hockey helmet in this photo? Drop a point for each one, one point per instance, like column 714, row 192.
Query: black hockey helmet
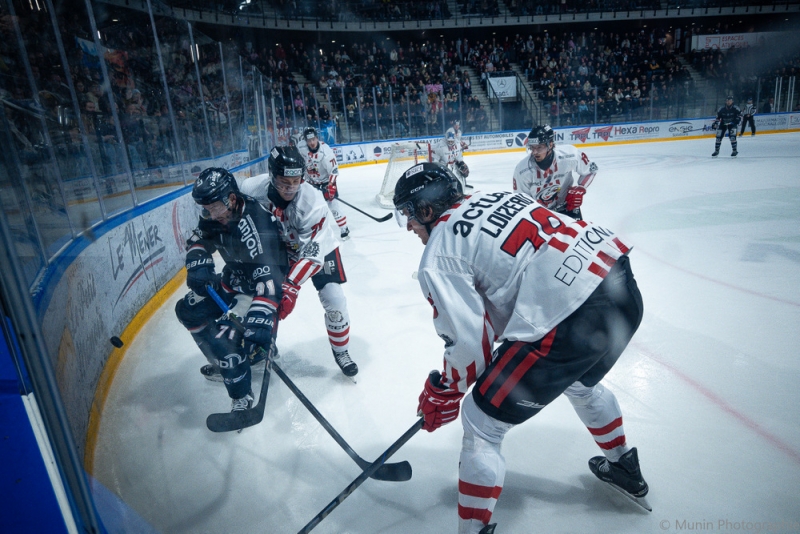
column 749, row 99
column 424, row 186
column 541, row 135
column 310, row 133
column 214, row 184
column 729, row 97
column 286, row 161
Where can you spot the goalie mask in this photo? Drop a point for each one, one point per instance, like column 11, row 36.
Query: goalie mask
column 451, row 138
column 424, row 192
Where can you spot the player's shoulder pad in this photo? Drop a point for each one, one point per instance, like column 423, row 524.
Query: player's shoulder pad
column 255, row 187
column 566, row 152
column 308, row 200
column 523, row 166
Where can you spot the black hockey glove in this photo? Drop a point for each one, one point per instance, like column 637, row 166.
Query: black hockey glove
column 462, row 168
column 715, row 125
column 200, row 271
column 259, row 324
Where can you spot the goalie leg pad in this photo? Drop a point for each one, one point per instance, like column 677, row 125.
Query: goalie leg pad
column 482, row 468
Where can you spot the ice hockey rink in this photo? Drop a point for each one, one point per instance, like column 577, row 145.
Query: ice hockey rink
column 708, row 386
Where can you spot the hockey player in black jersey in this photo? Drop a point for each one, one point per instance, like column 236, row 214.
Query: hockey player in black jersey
column 246, row 237
column 727, row 120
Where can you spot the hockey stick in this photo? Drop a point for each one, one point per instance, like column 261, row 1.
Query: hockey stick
column 372, row 468
column 397, row 472
column 230, row 421
column 381, row 219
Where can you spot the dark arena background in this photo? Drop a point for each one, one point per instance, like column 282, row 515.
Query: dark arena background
column 111, row 109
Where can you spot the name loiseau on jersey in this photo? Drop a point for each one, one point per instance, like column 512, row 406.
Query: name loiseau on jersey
column 499, row 266
column 321, row 166
column 443, row 154
column 306, row 226
column 251, row 248
column 549, row 186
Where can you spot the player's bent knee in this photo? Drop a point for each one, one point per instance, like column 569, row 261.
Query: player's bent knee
column 332, row 298
column 579, row 394
column 480, row 427
column 194, row 311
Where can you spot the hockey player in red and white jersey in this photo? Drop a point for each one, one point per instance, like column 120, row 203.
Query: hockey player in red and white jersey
column 311, row 237
column 456, row 131
column 449, row 153
column 546, row 173
column 557, row 294
column 322, row 172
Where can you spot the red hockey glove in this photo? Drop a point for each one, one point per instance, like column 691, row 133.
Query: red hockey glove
column 288, row 299
column 329, row 191
column 437, row 405
column 575, row 197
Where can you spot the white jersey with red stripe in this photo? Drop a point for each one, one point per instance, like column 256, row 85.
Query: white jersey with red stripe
column 321, row 166
column 498, row 266
column 306, row 224
column 445, row 154
column 549, row 186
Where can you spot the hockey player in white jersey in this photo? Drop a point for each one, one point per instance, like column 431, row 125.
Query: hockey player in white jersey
column 448, row 153
column 311, row 237
column 322, row 172
column 557, row 294
column 456, row 131
column 547, row 173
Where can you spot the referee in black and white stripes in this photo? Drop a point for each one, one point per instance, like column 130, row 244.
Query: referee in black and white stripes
column 747, row 116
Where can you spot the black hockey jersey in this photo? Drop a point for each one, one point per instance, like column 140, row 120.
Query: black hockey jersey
column 729, row 116
column 251, row 248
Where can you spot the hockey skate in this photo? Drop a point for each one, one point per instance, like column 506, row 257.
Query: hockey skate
column 245, row 403
column 715, row 154
column 624, row 476
column 347, row 365
column 488, row 529
column 734, row 153
column 345, row 235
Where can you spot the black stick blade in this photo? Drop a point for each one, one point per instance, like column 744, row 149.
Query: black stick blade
column 399, row 472
column 228, row 422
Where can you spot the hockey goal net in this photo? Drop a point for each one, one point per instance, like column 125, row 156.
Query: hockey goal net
column 404, row 155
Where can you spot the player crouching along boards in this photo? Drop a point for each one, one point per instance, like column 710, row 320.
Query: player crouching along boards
column 310, row 234
column 247, row 238
column 546, row 173
column 559, row 297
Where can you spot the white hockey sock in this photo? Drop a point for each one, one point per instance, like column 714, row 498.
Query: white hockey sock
column 597, row 407
column 482, row 468
column 337, row 320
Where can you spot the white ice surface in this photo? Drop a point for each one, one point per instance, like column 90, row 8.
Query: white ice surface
column 708, row 386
